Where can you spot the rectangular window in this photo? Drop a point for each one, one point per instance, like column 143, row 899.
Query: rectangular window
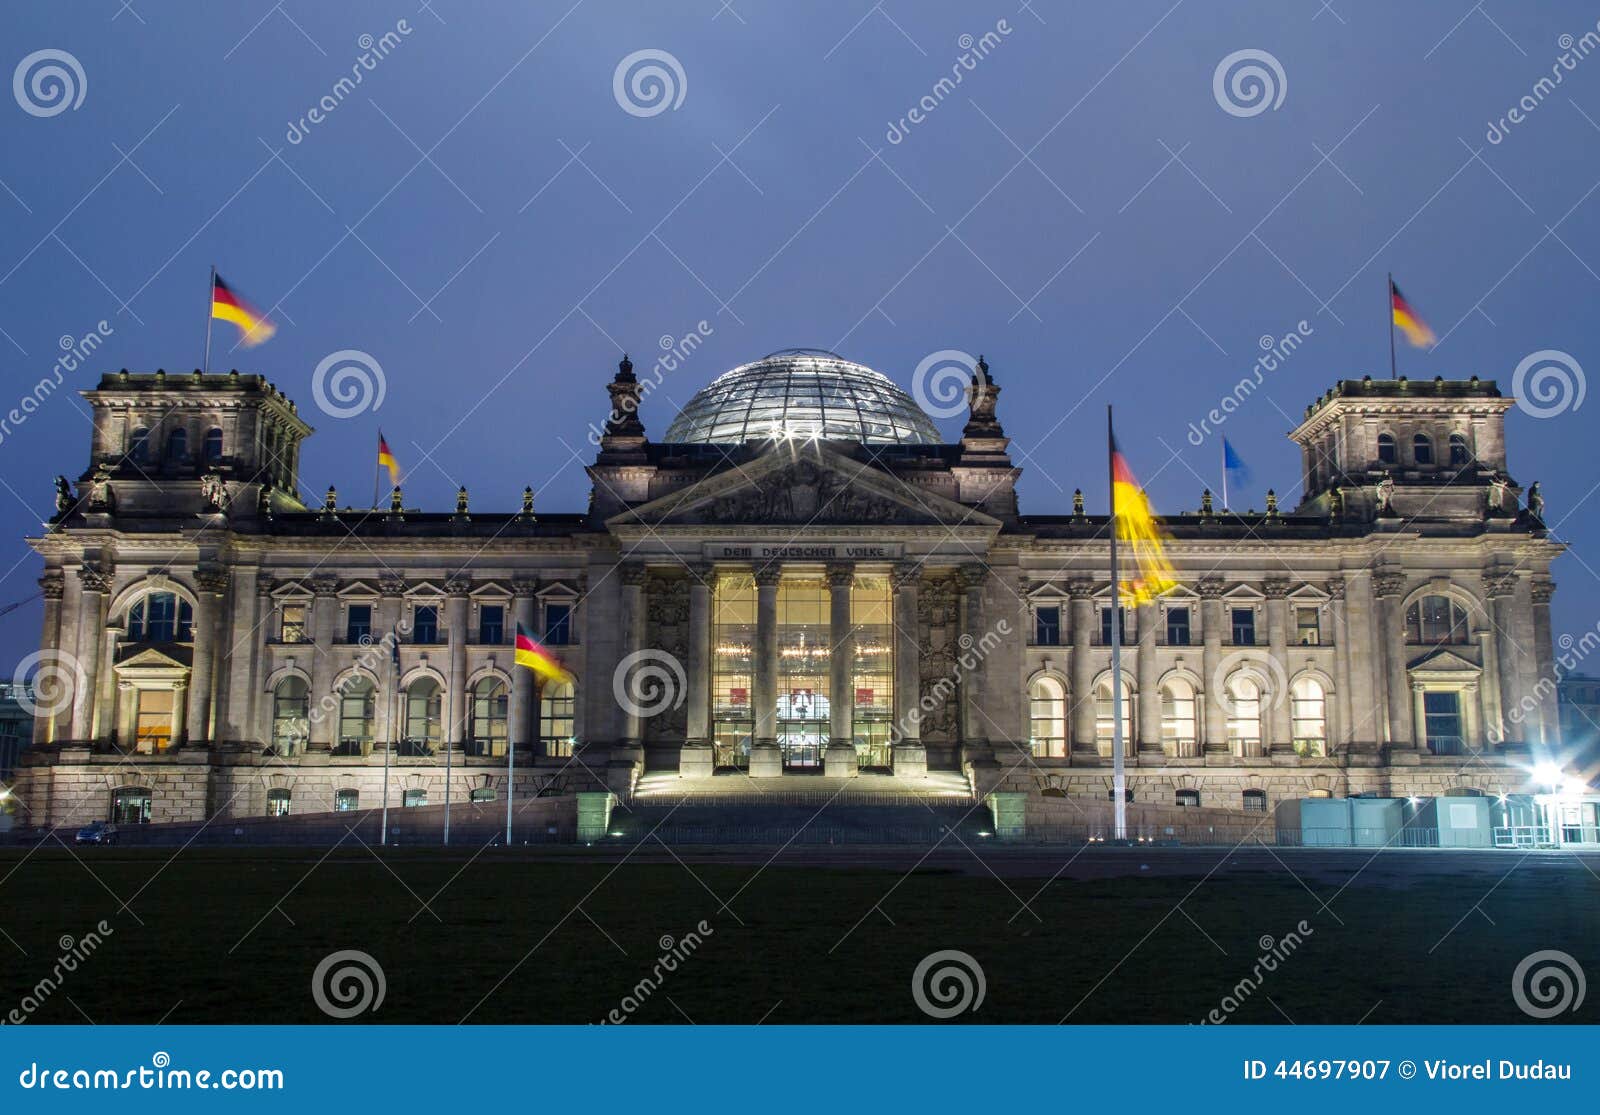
column 414, row 798
column 482, row 794
column 1177, row 627
column 1105, row 626
column 1442, row 722
column 558, row 624
column 492, row 624
column 1244, row 627
column 872, row 670
column 154, row 719
column 1047, row 627
column 425, row 624
column 732, row 672
column 358, row 623
column 1308, row 626
column 292, row 624
column 346, row 801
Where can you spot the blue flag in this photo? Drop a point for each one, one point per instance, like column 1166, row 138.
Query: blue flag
column 1236, row 472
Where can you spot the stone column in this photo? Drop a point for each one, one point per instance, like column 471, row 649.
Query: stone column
column 93, row 585
column 1540, row 592
column 1081, row 668
column 1278, row 725
column 1363, row 659
column 238, row 654
column 210, row 584
column 52, row 585
column 1502, row 597
column 974, row 729
column 324, row 726
column 1391, row 639
column 455, row 617
column 1148, row 678
column 1339, row 736
column 1215, row 739
column 910, row 756
column 696, row 759
column 632, row 575
column 522, row 706
column 766, row 760
column 839, row 761
column 389, row 716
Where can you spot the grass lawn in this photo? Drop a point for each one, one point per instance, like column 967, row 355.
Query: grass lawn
column 233, row 935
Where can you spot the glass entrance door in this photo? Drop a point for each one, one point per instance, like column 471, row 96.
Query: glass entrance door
column 803, row 743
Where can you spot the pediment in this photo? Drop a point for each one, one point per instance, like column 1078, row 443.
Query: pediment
column 808, row 486
column 156, row 657
column 1444, row 662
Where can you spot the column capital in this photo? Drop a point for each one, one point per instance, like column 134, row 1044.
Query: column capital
column 631, row 573
column 906, row 574
column 1543, row 590
column 53, row 585
column 701, row 572
column 1275, row 589
column 324, row 586
column 1080, row 588
column 392, row 586
column 768, row 575
column 213, row 581
column 524, row 587
column 457, row 586
column 972, row 575
column 94, row 580
column 841, row 575
column 1500, row 584
column 1334, row 587
column 1387, row 584
column 1211, row 588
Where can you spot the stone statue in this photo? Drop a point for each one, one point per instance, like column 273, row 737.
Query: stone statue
column 1499, row 489
column 1336, row 503
column 215, row 491
column 1535, row 502
column 1077, row 503
column 461, row 501
column 101, row 497
column 527, row 503
column 1205, row 502
column 1385, row 494
column 64, row 500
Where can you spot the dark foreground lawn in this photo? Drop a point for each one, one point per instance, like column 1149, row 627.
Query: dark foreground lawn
column 234, row 935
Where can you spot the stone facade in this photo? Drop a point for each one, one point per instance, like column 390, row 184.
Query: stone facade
column 234, row 649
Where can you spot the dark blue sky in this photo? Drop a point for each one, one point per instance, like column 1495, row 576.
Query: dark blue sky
column 1135, row 256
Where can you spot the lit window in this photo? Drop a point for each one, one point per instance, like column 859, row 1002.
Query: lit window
column 277, row 803
column 1255, row 801
column 290, row 713
column 481, row 794
column 346, row 801
column 357, row 700
column 1177, row 716
column 160, row 617
column 1103, row 719
column 1047, row 703
column 1308, row 713
column 1189, row 799
column 1436, row 619
column 1244, row 725
column 424, row 700
column 555, row 718
column 292, row 623
column 489, row 717
column 1308, row 626
column 413, row 798
column 130, row 806
column 1442, row 722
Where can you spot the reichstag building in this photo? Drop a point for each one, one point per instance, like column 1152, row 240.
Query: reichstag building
column 800, row 579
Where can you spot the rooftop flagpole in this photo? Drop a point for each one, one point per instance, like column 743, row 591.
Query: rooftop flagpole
column 1119, row 773
column 1392, row 373
column 211, row 302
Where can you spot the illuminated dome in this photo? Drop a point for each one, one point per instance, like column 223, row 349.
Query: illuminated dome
column 802, row 393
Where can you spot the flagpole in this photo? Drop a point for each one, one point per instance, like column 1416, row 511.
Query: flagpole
column 511, row 765
column 1224, row 474
column 377, row 473
column 1392, row 374
column 211, row 302
column 383, row 835
column 1119, row 774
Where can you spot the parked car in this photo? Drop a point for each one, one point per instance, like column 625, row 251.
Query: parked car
column 100, row 832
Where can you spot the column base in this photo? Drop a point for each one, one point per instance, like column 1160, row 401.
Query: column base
column 696, row 760
column 766, row 760
column 839, row 760
column 910, row 760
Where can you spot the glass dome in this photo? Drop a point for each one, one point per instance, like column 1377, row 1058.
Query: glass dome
column 802, row 393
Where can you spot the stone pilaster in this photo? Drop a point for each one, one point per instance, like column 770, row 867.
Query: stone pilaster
column 456, row 610
column 1149, row 679
column 1339, row 736
column 632, row 576
column 910, row 756
column 696, row 759
column 1081, row 668
column 765, row 759
column 1277, row 723
column 1392, row 642
column 93, row 584
column 1540, row 591
column 325, row 626
column 52, row 586
column 210, row 585
column 1502, row 588
column 840, row 759
column 974, row 730
column 522, row 708
column 1215, row 737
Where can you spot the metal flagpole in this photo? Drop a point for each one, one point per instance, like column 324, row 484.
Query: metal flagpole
column 1392, row 374
column 211, row 302
column 394, row 716
column 1224, row 474
column 511, row 765
column 377, row 473
column 1119, row 773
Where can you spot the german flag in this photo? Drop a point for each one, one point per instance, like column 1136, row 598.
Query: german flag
column 386, row 460
column 1135, row 526
column 532, row 654
column 1409, row 321
column 254, row 327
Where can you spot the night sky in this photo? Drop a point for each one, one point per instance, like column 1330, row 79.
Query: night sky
column 486, row 220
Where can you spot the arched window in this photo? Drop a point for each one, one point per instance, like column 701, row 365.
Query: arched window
column 555, row 718
column 346, row 801
column 277, row 803
column 212, row 450
column 1386, row 451
column 178, row 445
column 1422, row 449
column 1244, row 721
column 1178, row 735
column 290, row 710
column 488, row 729
column 139, row 444
column 160, row 617
column 1102, row 716
column 1047, row 711
column 356, row 704
column 1436, row 619
column 1308, row 715
column 1458, row 451
column 423, row 715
